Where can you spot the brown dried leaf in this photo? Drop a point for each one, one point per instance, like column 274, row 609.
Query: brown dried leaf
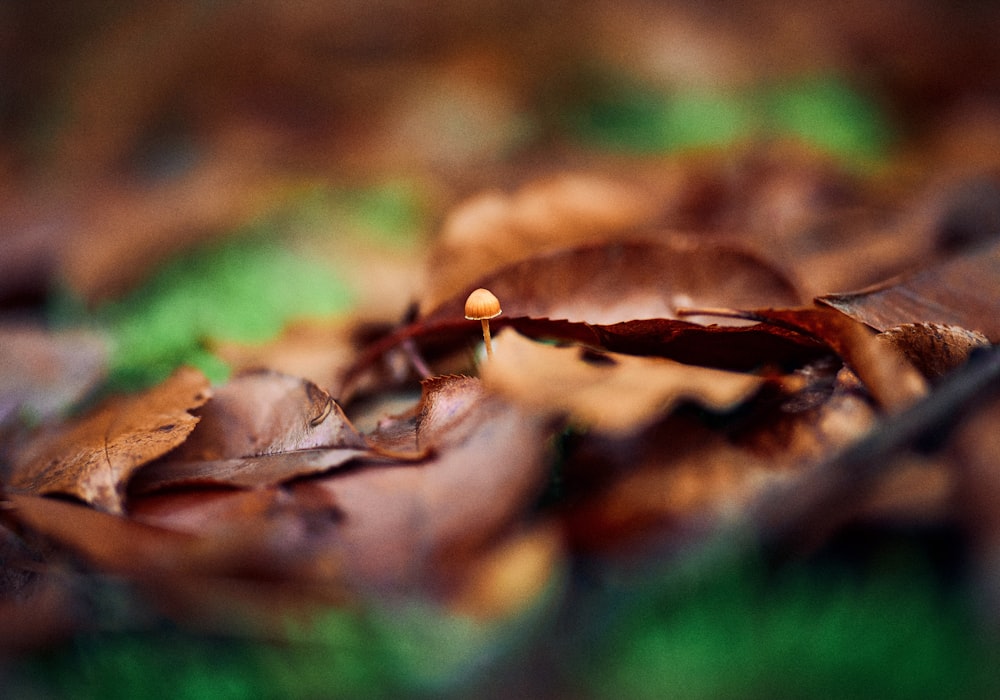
column 264, row 412
column 246, row 568
column 731, row 347
column 493, row 229
column 393, row 424
column 961, row 292
column 445, row 412
column 892, row 381
column 594, row 294
column 441, row 417
column 92, row 458
column 610, row 393
column 114, row 544
column 203, row 512
column 255, row 472
column 623, row 281
column 934, row 349
column 392, row 526
column 406, row 526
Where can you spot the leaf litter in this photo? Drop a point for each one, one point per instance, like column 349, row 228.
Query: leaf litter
column 660, row 381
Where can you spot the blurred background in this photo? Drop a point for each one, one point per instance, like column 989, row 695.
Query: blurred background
column 133, row 130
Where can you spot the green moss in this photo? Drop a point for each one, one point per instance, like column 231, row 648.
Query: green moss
column 738, row 635
column 735, row 632
column 410, row 651
column 830, row 115
column 824, row 112
column 391, row 212
column 249, row 285
column 647, row 121
column 244, row 288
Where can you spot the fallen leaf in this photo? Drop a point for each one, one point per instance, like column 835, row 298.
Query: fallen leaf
column 805, row 513
column 386, row 526
column 492, row 229
column 742, row 348
column 446, row 413
column 393, row 423
column 93, row 457
column 111, row 543
column 890, row 378
column 249, row 574
column 410, row 526
column 810, row 424
column 588, row 295
column 264, row 412
column 203, row 512
column 626, row 280
column 242, row 472
column 932, row 348
column 959, row 292
column 260, row 429
column 610, row 393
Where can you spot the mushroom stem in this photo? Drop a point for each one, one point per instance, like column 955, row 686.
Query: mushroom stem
column 486, row 337
column 481, row 306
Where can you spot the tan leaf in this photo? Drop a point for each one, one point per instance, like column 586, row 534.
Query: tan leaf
column 610, row 393
column 93, row 457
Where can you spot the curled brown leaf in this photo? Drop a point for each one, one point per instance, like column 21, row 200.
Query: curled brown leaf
column 264, row 412
column 93, row 457
column 959, row 292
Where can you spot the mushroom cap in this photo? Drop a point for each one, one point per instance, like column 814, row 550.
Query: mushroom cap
column 482, row 304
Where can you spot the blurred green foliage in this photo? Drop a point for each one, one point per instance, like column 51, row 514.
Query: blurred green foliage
column 411, row 650
column 248, row 285
column 730, row 630
column 244, row 289
column 824, row 113
column 388, row 214
column 809, row 632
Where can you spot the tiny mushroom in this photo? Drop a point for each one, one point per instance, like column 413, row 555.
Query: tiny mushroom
column 482, row 305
